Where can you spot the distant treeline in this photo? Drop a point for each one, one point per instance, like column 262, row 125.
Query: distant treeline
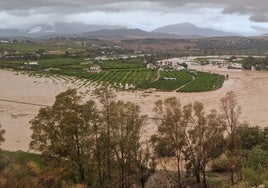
column 257, row 63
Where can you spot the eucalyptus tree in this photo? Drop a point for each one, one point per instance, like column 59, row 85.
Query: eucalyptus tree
column 231, row 112
column 170, row 136
column 65, row 131
column 205, row 138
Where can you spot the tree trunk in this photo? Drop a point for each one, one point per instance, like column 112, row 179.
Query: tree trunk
column 204, row 176
column 108, row 157
column 178, row 171
column 232, row 158
column 81, row 173
column 232, row 177
column 197, row 174
column 100, row 180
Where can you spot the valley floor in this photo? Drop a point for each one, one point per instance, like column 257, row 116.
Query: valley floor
column 250, row 87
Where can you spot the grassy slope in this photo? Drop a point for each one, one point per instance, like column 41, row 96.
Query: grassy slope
column 23, row 158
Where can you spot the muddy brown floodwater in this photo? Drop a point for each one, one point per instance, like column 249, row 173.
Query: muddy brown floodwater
column 251, row 89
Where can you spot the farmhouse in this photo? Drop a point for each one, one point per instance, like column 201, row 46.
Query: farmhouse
column 235, row 66
column 94, row 69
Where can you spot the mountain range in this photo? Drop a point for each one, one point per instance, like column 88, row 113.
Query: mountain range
column 188, row 29
column 182, row 30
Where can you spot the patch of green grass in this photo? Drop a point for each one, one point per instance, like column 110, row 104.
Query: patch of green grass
column 23, row 158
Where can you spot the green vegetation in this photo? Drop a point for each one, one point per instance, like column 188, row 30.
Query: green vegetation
column 122, row 64
column 63, row 63
column 82, row 145
column 186, row 133
column 122, row 72
column 204, row 82
column 182, row 77
column 102, row 151
column 258, row 63
column 203, row 61
column 27, row 48
column 23, row 158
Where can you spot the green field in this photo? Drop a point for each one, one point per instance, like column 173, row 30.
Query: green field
column 182, row 77
column 122, row 64
column 204, row 82
column 63, row 63
column 123, row 72
column 26, row 48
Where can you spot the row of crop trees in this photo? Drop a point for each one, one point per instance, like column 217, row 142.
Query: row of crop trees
column 100, row 145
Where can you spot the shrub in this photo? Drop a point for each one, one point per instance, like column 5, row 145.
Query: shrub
column 266, row 184
column 251, row 176
column 220, row 164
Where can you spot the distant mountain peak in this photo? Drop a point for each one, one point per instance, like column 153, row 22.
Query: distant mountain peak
column 189, row 29
column 186, row 24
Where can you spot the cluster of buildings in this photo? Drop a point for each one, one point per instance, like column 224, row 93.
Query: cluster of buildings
column 115, row 57
column 181, row 63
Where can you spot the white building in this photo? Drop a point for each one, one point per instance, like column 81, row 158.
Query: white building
column 31, row 63
column 94, row 69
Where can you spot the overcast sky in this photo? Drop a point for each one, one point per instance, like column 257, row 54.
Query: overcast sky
column 247, row 17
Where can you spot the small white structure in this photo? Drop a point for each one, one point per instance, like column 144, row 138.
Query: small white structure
column 4, row 41
column 31, row 63
column 94, row 69
column 179, row 67
column 166, row 78
column 150, row 66
column 196, row 64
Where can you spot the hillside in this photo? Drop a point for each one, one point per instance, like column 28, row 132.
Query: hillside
column 188, row 29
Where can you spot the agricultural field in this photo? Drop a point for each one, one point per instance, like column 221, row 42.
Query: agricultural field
column 122, row 64
column 62, row 63
column 27, row 48
column 122, row 74
column 182, row 77
column 204, row 82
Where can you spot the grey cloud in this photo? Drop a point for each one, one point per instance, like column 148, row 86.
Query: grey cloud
column 259, row 28
column 255, row 9
column 259, row 17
